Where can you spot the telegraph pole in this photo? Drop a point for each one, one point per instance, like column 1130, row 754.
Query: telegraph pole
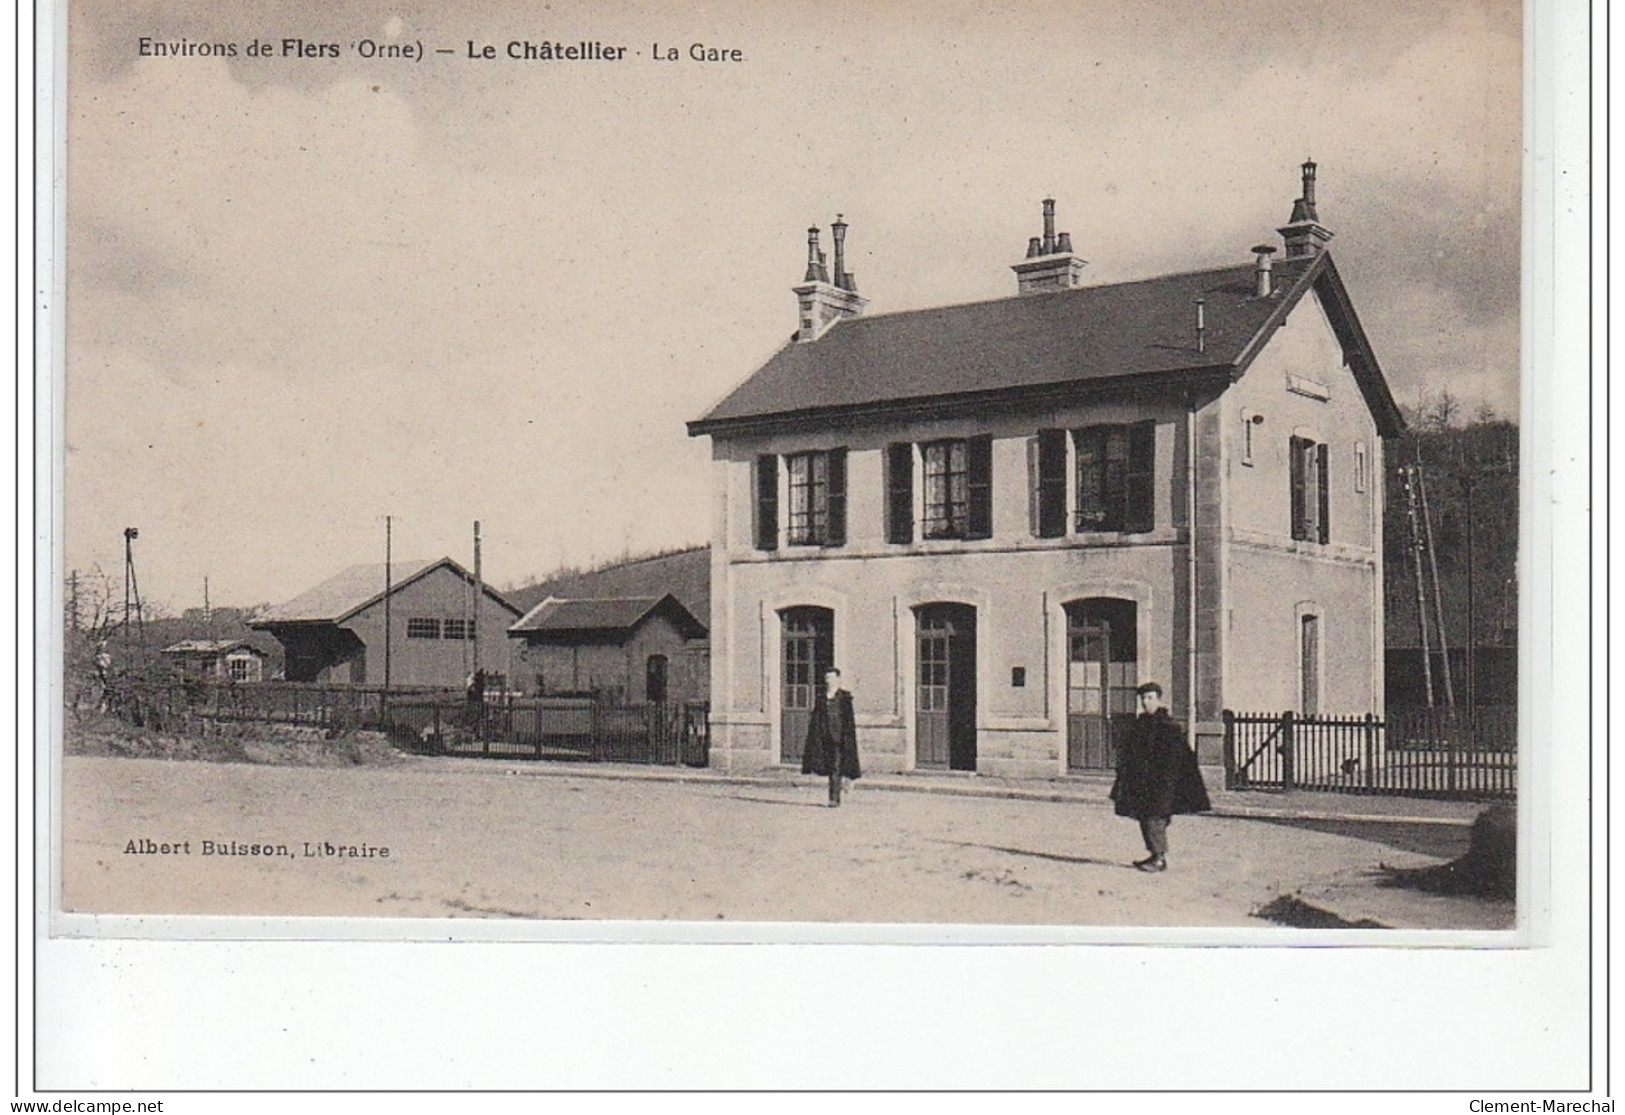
column 1433, row 564
column 1409, row 473
column 479, row 591
column 389, row 590
column 132, row 590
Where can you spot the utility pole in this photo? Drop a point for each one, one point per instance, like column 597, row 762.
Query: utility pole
column 132, row 590
column 389, row 590
column 1408, row 472
column 479, row 590
column 1438, row 599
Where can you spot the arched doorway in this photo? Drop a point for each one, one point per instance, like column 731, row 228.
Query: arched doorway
column 654, row 679
column 945, row 687
column 807, row 649
column 1101, row 674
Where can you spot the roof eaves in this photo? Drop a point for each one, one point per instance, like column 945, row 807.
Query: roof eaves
column 937, row 406
column 1367, row 372
column 1289, row 299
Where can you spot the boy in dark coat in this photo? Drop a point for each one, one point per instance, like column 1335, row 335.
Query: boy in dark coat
column 1157, row 777
column 832, row 737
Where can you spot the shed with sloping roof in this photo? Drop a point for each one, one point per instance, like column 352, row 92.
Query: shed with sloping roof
column 627, row 648
column 416, row 624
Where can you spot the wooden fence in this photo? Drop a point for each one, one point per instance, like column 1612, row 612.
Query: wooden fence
column 1420, row 753
column 439, row 721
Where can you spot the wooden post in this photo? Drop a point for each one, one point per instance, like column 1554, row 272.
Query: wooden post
column 1288, row 759
column 1229, row 750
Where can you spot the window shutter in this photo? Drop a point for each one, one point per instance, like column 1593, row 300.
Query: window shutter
column 1140, row 496
column 1322, row 469
column 836, row 497
column 1295, row 462
column 900, row 492
column 767, row 502
column 979, row 476
column 1049, row 489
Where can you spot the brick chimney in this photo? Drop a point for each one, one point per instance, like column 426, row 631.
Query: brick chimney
column 826, row 297
column 1050, row 264
column 1304, row 234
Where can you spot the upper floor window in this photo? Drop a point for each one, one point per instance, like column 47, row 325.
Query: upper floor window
column 1311, row 490
column 457, row 629
column 815, row 496
column 958, row 477
column 420, row 628
column 1116, row 469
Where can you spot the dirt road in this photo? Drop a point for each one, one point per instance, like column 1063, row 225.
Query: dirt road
column 515, row 841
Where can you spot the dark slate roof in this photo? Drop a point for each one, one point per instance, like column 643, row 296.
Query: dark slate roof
column 685, row 574
column 1098, row 337
column 343, row 595
column 555, row 616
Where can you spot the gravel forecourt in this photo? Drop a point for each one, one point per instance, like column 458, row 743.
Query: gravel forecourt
column 492, row 839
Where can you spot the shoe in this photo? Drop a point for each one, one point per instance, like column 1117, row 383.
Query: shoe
column 1154, row 864
column 834, row 805
column 1142, row 862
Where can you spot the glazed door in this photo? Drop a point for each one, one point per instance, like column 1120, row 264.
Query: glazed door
column 808, row 639
column 1101, row 676
column 945, row 690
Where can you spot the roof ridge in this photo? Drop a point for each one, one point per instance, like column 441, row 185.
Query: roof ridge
column 1157, row 278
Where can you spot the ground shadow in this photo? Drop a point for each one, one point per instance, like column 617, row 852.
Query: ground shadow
column 1441, row 841
column 1292, row 911
column 779, row 801
column 1056, row 856
column 1463, row 878
column 1488, row 869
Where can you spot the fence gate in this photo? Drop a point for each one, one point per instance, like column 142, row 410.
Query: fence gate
column 1426, row 757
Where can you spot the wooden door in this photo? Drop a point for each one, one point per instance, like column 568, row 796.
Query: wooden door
column 808, row 642
column 1101, row 675
column 945, row 689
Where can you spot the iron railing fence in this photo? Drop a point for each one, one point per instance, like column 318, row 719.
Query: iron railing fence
column 441, row 721
column 1429, row 755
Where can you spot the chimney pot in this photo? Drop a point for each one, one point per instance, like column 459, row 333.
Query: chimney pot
column 1265, row 282
column 1049, row 225
column 838, row 232
column 813, row 255
column 1063, row 243
column 1035, row 247
column 1309, row 182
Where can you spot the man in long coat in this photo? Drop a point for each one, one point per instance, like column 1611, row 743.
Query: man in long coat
column 1157, row 777
column 832, row 737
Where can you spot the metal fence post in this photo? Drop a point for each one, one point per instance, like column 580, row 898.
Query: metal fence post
column 1371, row 726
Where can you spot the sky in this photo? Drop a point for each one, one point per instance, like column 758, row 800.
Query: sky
column 306, row 294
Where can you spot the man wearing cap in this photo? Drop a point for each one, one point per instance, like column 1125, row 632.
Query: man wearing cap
column 832, row 737
column 1157, row 776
